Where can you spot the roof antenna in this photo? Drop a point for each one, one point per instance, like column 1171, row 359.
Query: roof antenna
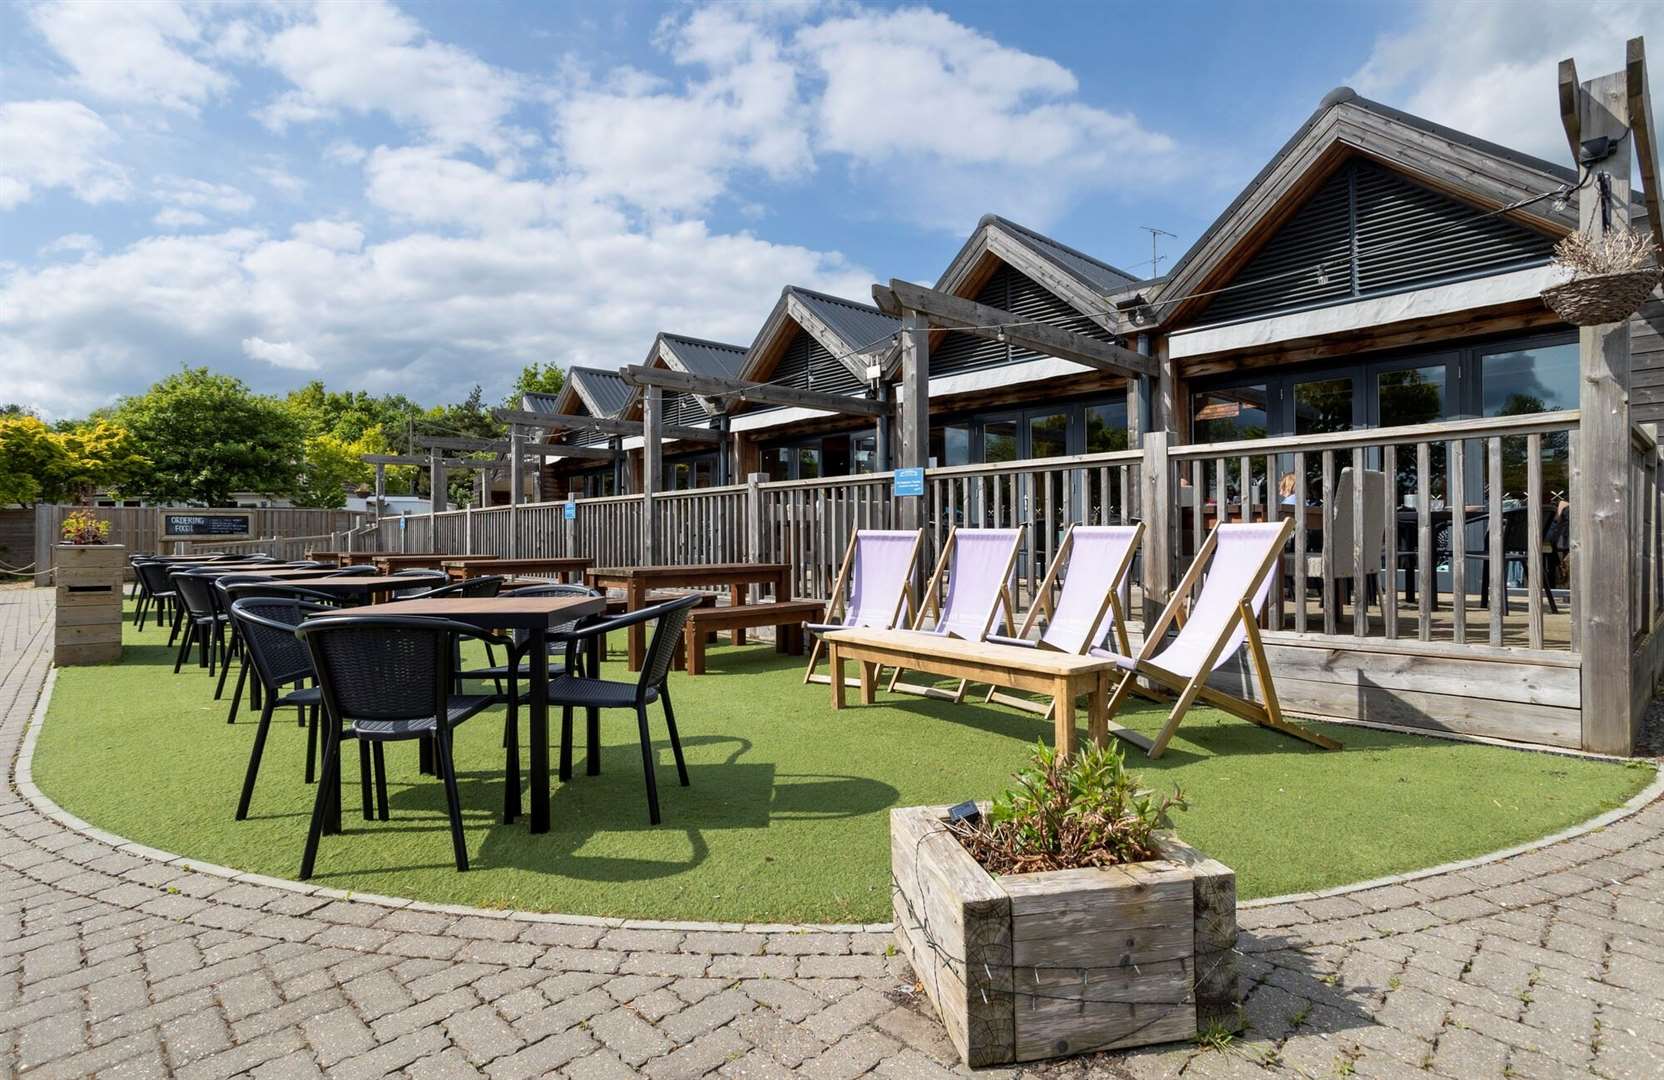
column 1155, row 255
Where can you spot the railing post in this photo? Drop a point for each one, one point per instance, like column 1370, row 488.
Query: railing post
column 754, row 516
column 1601, row 540
column 1158, row 555
column 652, row 466
column 45, row 525
column 569, row 525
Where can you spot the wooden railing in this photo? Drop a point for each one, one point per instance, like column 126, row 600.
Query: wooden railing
column 705, row 525
column 807, row 524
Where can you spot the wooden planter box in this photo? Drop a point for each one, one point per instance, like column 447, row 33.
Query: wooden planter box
column 88, row 578
column 1032, row 966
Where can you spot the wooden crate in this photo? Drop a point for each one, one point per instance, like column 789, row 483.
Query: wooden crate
column 89, row 586
column 1032, row 966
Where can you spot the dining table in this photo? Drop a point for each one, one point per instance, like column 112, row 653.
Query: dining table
column 410, row 560
column 534, row 615
column 637, row 581
column 366, row 588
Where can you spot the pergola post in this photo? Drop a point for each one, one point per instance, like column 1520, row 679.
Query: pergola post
column 516, row 492
column 723, row 469
column 436, row 482
column 914, row 449
column 381, row 491
column 652, row 465
column 1602, row 558
column 754, row 524
column 884, row 430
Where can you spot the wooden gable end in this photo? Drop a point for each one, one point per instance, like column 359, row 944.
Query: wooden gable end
column 1368, row 230
column 1008, row 289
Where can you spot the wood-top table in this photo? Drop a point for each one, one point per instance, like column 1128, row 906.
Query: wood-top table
column 388, row 563
column 1064, row 676
column 462, row 567
column 636, row 581
column 535, row 615
column 337, row 558
column 365, row 586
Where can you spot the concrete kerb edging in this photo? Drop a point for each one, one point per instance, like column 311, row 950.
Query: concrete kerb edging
column 24, row 777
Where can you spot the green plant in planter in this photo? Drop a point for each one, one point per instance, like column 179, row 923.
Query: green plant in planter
column 1064, row 812
column 84, row 527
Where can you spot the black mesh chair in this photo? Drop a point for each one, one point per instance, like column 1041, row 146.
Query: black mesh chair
column 384, row 679
column 420, row 582
column 199, row 617
column 362, row 569
column 489, row 585
column 283, row 666
column 571, row 691
column 240, row 587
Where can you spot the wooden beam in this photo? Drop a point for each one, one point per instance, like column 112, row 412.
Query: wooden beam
column 537, row 450
column 1646, row 141
column 606, row 425
column 951, row 312
column 1569, row 90
column 436, row 442
column 759, row 393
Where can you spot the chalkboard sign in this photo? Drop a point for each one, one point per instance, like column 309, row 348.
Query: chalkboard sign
column 205, row 524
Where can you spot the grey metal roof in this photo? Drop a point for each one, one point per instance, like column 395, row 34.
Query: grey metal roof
column 547, row 404
column 707, row 357
column 1095, row 272
column 858, row 325
column 604, row 392
column 1345, row 95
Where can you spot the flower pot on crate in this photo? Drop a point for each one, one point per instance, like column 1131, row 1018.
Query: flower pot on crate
column 88, row 621
column 1596, row 299
column 1023, row 967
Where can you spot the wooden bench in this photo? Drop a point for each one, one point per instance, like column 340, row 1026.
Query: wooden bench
column 1063, row 676
column 786, row 616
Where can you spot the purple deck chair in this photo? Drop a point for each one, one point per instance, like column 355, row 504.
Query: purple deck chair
column 877, row 570
column 1088, row 606
column 977, row 564
column 1223, row 616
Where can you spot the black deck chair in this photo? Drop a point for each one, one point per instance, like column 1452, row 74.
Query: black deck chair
column 571, row 691
column 283, row 666
column 384, row 679
column 156, row 592
column 240, row 587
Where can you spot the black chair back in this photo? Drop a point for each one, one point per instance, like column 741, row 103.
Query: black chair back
column 661, row 651
column 154, row 578
column 196, row 592
column 384, row 667
column 352, row 571
column 267, row 626
column 490, row 585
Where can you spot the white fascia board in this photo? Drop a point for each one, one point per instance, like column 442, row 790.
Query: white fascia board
column 1362, row 314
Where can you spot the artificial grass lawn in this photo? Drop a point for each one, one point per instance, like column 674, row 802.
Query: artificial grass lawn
column 787, row 816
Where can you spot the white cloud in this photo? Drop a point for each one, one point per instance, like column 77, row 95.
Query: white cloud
column 49, row 144
column 71, row 244
column 283, row 354
column 205, row 195
column 1491, row 69
column 330, row 235
column 134, row 53
column 370, row 57
column 174, row 218
column 280, row 180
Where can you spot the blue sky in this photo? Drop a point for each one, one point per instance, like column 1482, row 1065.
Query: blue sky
column 424, row 196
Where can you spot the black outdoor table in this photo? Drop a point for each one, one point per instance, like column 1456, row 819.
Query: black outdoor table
column 533, row 614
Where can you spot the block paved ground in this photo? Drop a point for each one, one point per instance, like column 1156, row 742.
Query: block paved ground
column 113, row 963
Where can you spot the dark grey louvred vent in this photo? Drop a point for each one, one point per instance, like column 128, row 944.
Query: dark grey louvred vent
column 684, row 410
column 1404, row 235
column 1022, row 296
column 807, row 365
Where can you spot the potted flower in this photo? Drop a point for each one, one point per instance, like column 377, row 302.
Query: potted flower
column 1611, row 276
column 1064, row 917
column 88, row 575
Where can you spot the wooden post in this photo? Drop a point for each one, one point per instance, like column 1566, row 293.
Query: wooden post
column 914, row 449
column 569, row 526
column 1158, row 535
column 381, row 491
column 436, row 482
column 46, row 528
column 652, row 464
column 516, row 490
column 754, row 516
column 1601, row 555
column 885, row 430
column 724, row 468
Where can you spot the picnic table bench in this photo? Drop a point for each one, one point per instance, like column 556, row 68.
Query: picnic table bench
column 786, row 616
column 1064, row 676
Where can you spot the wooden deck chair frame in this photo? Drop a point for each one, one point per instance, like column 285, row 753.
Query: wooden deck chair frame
column 1044, row 604
column 1268, row 715
column 932, row 605
column 839, row 603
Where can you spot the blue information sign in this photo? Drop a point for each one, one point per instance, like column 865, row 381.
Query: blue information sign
column 570, row 511
column 909, row 482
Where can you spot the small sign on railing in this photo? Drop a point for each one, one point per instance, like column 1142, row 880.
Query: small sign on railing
column 908, row 482
column 569, row 511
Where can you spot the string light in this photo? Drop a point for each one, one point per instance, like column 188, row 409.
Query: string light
column 1322, row 274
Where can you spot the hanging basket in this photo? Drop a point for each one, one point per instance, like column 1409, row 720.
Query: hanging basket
column 1602, row 298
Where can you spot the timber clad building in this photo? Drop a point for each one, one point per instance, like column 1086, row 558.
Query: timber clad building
column 1381, row 272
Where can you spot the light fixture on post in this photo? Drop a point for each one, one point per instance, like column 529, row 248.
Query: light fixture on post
column 1322, row 274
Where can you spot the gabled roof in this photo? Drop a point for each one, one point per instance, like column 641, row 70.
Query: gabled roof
column 602, row 393
column 547, row 404
column 843, row 327
column 695, row 356
column 1095, row 272
column 1345, row 125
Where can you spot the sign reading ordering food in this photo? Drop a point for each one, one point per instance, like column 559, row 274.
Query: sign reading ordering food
column 206, row 524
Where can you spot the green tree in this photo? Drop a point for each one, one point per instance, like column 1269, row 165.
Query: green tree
column 349, row 414
column 38, row 464
column 331, row 465
column 98, row 454
column 207, row 436
column 536, row 379
column 29, row 457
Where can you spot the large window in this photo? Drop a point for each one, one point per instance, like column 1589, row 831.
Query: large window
column 1048, row 435
column 950, row 444
column 1236, row 412
column 1106, row 427
column 1541, row 378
